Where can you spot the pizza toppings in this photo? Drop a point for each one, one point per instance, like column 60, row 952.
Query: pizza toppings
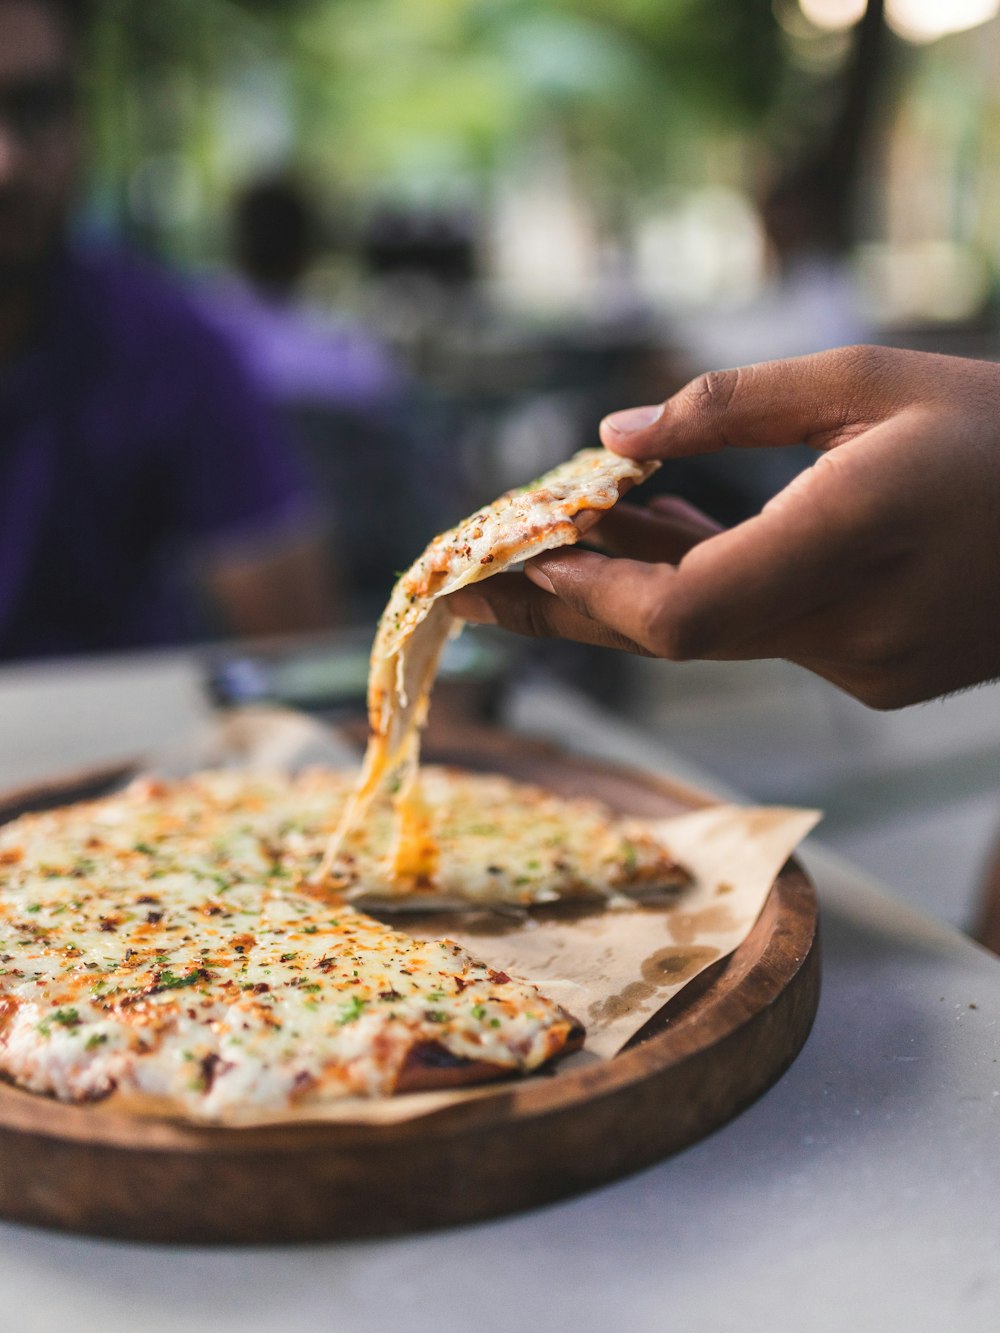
column 187, row 961
column 498, row 842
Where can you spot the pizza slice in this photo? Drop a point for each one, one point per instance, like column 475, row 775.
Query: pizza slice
column 553, row 511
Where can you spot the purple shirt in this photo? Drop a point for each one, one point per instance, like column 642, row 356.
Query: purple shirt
column 130, row 438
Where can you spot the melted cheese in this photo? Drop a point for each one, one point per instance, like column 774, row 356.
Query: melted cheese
column 163, row 942
column 415, row 625
column 498, row 842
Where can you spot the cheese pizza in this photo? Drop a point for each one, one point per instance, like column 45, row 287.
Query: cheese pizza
column 163, row 943
column 553, row 511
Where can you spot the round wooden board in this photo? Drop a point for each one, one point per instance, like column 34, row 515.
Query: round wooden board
column 713, row 1050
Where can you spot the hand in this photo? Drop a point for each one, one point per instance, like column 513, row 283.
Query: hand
column 878, row 568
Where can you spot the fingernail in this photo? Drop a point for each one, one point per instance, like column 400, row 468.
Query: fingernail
column 537, row 577
column 633, row 419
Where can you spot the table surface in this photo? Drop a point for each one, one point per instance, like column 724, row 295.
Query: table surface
column 862, row 1192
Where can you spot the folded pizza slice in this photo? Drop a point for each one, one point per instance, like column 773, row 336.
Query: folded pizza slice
column 553, row 511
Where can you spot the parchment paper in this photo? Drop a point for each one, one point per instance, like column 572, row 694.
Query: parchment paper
column 611, row 967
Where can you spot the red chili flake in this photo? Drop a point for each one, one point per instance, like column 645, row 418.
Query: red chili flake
column 487, row 560
column 147, row 898
column 108, row 925
column 154, row 918
column 498, row 978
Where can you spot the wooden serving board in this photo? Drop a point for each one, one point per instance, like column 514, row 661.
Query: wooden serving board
column 708, row 1054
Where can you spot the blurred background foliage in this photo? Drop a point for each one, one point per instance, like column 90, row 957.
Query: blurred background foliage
column 399, row 93
column 640, row 136
column 416, row 101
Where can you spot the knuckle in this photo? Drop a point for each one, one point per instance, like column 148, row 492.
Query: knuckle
column 871, row 370
column 531, row 617
column 863, row 357
column 714, row 391
column 675, row 634
column 885, row 694
column 885, row 657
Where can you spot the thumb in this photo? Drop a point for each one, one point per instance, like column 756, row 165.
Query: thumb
column 822, row 400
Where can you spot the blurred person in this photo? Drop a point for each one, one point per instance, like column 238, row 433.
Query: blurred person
column 385, row 466
column 301, row 351
column 877, row 568
column 133, row 447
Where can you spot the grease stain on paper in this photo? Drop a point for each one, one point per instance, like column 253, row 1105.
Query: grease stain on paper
column 675, row 966
column 670, row 967
column 687, row 926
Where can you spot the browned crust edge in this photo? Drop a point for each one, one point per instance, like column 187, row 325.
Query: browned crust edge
column 431, row 1067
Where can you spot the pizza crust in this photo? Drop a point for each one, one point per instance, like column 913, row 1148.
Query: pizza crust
column 431, row 1068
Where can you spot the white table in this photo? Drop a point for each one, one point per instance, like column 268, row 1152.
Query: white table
column 861, row 1193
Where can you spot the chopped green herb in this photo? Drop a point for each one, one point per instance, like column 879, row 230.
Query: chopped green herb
column 352, row 1010
column 170, row 981
column 68, row 1018
column 479, row 1011
column 94, row 1040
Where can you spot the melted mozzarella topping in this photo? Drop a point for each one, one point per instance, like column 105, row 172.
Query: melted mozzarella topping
column 497, row 842
column 415, row 625
column 163, row 942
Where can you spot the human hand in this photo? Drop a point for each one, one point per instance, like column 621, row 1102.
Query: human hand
column 878, row 568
